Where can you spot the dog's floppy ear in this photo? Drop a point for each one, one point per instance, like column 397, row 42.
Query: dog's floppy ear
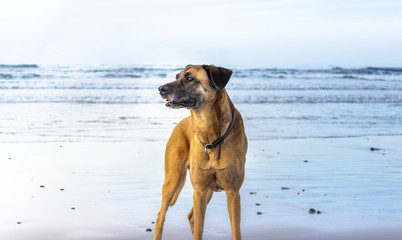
column 218, row 76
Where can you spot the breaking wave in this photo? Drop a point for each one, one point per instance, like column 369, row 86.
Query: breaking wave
column 138, row 84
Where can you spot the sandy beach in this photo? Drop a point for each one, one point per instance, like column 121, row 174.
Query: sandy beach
column 111, row 190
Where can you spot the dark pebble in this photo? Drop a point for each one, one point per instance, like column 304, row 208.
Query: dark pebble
column 149, row 230
column 257, row 204
column 9, row 158
column 253, row 193
column 303, row 190
column 318, row 212
column 374, row 149
column 278, row 153
column 42, row 186
column 311, row 211
column 61, row 146
column 61, row 189
column 298, row 193
column 305, row 161
column 153, row 222
column 259, row 213
column 285, row 188
column 73, row 208
column 19, row 222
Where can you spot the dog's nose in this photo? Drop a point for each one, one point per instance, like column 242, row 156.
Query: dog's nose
column 163, row 89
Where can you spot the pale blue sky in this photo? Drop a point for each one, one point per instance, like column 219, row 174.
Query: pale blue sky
column 272, row 33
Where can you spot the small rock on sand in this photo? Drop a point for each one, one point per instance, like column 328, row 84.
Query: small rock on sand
column 257, row 204
column 374, row 149
column 253, row 193
column 285, row 188
column 311, row 211
column 148, row 230
column 259, row 213
column 42, row 186
column 19, row 222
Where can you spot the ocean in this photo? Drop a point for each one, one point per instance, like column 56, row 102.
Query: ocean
column 119, row 102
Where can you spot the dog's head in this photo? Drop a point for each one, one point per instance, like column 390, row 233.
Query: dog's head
column 194, row 86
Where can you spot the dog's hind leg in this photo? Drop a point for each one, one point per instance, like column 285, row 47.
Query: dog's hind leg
column 191, row 214
column 176, row 164
column 170, row 191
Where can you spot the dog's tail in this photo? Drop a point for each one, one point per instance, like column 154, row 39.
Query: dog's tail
column 179, row 187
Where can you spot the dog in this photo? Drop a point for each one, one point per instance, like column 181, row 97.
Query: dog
column 211, row 143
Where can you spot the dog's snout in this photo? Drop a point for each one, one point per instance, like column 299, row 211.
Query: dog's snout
column 163, row 89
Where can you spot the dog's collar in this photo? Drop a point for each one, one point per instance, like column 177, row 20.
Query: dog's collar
column 218, row 141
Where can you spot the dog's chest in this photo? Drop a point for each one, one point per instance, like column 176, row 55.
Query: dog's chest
column 207, row 158
column 209, row 163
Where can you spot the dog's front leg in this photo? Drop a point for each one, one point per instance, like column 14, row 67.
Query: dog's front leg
column 199, row 208
column 191, row 214
column 233, row 202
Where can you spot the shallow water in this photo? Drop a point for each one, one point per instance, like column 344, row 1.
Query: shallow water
column 72, row 122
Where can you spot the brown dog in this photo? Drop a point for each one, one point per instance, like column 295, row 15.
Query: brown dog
column 211, row 143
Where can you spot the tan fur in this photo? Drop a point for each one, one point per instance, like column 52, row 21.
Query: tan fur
column 222, row 168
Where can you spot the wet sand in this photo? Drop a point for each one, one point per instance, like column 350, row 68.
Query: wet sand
column 112, row 190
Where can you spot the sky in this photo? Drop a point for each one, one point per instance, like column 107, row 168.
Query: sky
column 270, row 33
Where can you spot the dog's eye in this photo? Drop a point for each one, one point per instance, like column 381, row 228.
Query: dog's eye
column 189, row 79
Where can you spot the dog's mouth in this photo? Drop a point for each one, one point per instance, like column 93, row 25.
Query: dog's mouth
column 174, row 103
column 170, row 100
